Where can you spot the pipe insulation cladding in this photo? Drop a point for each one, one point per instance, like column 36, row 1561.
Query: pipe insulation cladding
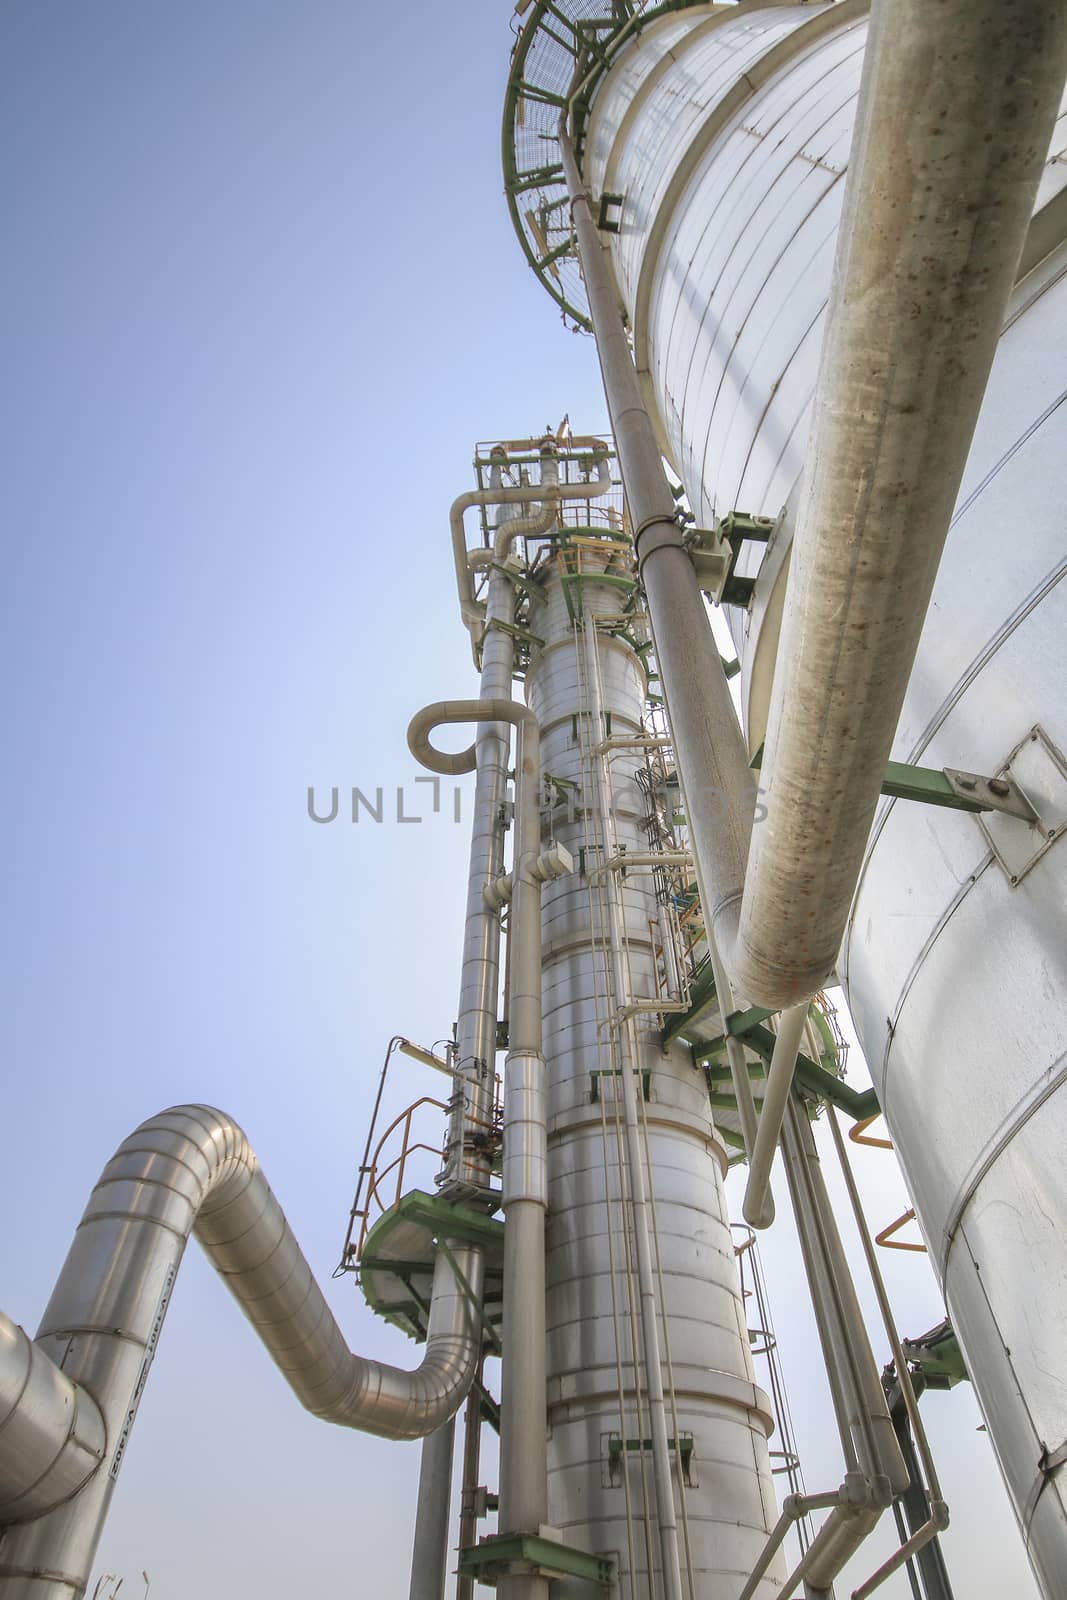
column 755, row 276
column 586, row 681
column 191, row 1169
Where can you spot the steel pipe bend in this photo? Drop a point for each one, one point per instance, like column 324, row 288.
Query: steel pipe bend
column 52, row 1434
column 192, row 1170
column 433, row 716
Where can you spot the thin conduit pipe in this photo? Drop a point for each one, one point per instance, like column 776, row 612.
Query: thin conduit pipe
column 868, row 1437
column 791, row 1026
column 598, row 920
column 947, row 155
column 907, row 1388
column 523, row 1414
column 606, row 757
column 616, row 1328
column 192, row 1169
column 661, row 1459
column 596, row 885
column 794, row 1507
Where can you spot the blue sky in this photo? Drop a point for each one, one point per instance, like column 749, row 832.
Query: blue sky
column 262, row 297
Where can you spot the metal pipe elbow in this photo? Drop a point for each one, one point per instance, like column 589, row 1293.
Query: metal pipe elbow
column 52, row 1433
column 432, row 716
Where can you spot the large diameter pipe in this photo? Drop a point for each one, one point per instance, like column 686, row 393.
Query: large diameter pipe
column 717, row 782
column 52, row 1433
column 429, row 1550
column 957, row 105
column 191, row 1169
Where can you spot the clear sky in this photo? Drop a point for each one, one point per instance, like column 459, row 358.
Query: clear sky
column 261, row 297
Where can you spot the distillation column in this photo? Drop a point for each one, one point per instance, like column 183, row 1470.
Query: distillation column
column 602, row 1492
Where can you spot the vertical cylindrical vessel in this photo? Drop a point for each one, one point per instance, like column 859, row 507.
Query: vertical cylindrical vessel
column 725, row 136
column 599, row 1459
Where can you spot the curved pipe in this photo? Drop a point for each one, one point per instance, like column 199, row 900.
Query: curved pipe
column 440, row 712
column 956, row 111
column 191, row 1169
column 549, row 494
column 52, row 1434
column 957, row 106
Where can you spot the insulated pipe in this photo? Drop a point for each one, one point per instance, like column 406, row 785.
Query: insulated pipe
column 791, row 1027
column 956, row 109
column 470, row 610
column 468, row 1509
column 480, row 973
column 52, row 1434
column 429, row 1551
column 719, row 786
column 666, row 1514
column 523, row 1418
column 717, row 782
column 191, row 1169
column 476, row 1022
column 957, row 106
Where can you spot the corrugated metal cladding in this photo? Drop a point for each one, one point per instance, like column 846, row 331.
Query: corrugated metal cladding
column 728, row 136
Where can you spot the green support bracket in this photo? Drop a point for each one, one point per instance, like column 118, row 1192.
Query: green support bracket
column 737, row 527
column 737, row 591
column 902, row 781
column 523, row 635
column 748, row 1026
column 613, row 1072
column 608, row 203
column 502, row 1553
column 938, row 1356
column 490, row 1408
column 738, row 1023
column 617, row 1447
column 520, row 580
column 446, row 1220
column 702, row 999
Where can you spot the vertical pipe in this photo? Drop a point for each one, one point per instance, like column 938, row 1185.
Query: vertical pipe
column 523, row 1414
column 472, row 1452
column 719, row 786
column 867, row 1434
column 791, row 1027
column 429, row 1553
column 523, row 1411
column 661, row 1460
column 480, row 976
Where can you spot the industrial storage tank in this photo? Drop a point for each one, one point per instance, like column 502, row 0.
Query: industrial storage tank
column 714, row 143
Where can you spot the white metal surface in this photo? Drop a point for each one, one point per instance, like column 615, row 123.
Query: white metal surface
column 955, row 974
column 728, row 1503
